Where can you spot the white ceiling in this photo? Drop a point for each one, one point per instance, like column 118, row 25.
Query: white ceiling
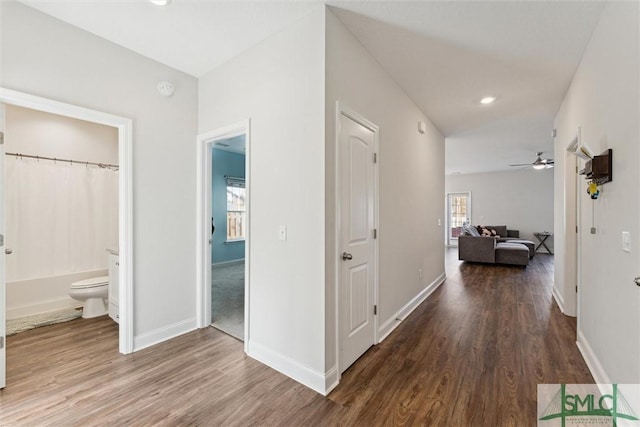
column 446, row 55
column 237, row 145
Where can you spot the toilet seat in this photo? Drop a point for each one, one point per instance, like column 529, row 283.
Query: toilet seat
column 92, row 282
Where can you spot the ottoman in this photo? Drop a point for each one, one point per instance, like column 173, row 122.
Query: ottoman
column 528, row 243
column 512, row 253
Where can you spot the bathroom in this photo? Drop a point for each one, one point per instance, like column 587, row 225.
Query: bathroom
column 61, row 217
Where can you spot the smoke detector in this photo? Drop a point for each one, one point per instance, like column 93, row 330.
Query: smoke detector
column 166, row 89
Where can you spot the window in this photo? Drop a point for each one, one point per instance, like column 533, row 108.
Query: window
column 236, row 209
column 458, row 212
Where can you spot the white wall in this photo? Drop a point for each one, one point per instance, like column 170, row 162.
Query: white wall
column 279, row 85
column 604, row 101
column 44, row 134
column 521, row 199
column 46, row 57
column 411, row 173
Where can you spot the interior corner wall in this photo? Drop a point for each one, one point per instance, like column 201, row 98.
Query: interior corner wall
column 411, row 176
column 279, row 85
column 521, row 199
column 63, row 63
column 603, row 100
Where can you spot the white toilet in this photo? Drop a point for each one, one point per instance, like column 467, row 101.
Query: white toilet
column 94, row 292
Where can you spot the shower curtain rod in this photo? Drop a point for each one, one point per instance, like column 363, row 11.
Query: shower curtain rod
column 102, row 165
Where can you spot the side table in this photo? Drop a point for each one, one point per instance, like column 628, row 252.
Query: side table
column 542, row 238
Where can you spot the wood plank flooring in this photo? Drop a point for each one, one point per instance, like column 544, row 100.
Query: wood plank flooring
column 471, row 355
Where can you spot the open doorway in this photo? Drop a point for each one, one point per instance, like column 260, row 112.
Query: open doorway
column 458, row 213
column 123, row 127
column 61, row 198
column 223, row 229
column 229, row 233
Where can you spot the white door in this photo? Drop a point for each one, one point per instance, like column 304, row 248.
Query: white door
column 458, row 212
column 357, row 245
column 3, row 302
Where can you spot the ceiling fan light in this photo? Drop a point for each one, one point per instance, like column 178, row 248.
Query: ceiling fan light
column 539, row 166
column 487, row 100
column 160, row 2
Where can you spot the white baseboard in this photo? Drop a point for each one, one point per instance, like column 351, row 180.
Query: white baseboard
column 393, row 322
column 163, row 334
column 556, row 296
column 303, row 374
column 331, row 380
column 227, row 263
column 594, row 365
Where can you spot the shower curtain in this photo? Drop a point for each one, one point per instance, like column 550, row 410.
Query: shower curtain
column 61, row 217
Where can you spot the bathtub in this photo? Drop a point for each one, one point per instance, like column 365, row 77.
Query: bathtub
column 35, row 296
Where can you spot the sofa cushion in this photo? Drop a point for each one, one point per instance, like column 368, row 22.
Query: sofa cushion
column 513, row 233
column 528, row 243
column 512, row 253
column 501, row 230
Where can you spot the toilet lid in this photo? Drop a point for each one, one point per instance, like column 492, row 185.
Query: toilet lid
column 90, row 283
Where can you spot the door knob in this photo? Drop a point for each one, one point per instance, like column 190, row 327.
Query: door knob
column 346, row 256
column 8, row 251
column 637, row 280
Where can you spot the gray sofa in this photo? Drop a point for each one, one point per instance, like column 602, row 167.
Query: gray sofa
column 507, row 249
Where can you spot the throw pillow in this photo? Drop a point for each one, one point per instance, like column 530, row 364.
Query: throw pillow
column 485, row 232
column 470, row 230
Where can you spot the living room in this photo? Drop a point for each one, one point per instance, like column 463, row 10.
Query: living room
column 521, row 199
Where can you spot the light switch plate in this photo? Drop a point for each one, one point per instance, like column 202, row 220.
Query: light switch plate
column 282, row 232
column 626, row 241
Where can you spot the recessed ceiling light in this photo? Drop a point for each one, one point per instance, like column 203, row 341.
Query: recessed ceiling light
column 487, row 100
column 160, row 2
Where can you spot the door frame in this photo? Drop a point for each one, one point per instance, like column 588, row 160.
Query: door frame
column 448, row 214
column 575, row 210
column 125, row 192
column 3, row 283
column 570, row 228
column 205, row 142
column 344, row 110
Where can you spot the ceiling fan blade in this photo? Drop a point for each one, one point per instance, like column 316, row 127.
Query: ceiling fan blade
column 538, row 163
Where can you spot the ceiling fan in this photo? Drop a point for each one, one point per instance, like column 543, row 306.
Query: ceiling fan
column 539, row 163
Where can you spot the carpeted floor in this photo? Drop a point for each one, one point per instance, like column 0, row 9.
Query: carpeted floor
column 227, row 299
column 44, row 319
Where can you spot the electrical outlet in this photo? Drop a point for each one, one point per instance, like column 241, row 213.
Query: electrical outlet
column 282, row 232
column 439, row 222
column 420, row 273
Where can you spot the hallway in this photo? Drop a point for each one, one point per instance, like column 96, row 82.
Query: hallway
column 471, row 355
